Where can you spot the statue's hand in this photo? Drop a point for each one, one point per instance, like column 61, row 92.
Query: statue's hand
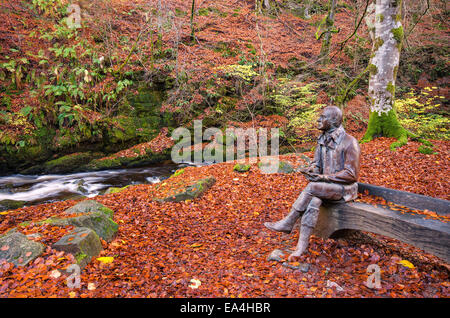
column 314, row 177
column 307, row 170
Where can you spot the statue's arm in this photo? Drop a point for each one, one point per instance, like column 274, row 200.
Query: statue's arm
column 350, row 172
column 314, row 167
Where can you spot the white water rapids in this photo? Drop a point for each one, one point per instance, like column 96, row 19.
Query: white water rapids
column 34, row 189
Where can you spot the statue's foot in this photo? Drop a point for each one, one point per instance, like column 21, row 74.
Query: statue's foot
column 295, row 255
column 279, row 226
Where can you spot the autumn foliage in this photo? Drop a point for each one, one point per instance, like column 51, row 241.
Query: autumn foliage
column 219, row 239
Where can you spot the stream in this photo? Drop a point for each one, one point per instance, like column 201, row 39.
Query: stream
column 24, row 190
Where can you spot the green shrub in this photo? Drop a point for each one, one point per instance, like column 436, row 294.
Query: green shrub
column 420, row 113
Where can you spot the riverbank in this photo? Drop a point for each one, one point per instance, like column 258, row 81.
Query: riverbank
column 219, row 238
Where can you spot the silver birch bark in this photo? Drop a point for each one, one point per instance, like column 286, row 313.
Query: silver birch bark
column 387, row 41
column 387, row 35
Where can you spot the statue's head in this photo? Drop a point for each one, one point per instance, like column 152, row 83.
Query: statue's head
column 330, row 118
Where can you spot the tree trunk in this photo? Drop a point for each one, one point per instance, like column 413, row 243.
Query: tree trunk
column 329, row 22
column 387, row 36
column 192, row 20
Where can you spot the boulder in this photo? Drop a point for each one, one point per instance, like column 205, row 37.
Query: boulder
column 11, row 205
column 115, row 189
column 88, row 206
column 82, row 242
column 191, row 192
column 16, row 248
column 93, row 215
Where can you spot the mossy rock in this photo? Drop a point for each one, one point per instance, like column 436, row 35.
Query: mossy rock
column 11, row 205
column 275, row 166
column 115, row 189
column 64, row 164
column 82, row 242
column 241, row 168
column 88, row 206
column 177, row 173
column 93, row 215
column 191, row 192
column 130, row 162
column 103, row 164
column 426, row 150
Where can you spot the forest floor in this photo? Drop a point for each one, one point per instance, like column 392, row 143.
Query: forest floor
column 219, row 239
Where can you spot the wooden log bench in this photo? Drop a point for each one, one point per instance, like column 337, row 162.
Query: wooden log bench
column 430, row 235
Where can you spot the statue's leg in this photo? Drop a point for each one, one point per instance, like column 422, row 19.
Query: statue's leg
column 286, row 224
column 308, row 223
column 319, row 191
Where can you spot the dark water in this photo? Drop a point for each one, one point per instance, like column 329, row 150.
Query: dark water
column 36, row 189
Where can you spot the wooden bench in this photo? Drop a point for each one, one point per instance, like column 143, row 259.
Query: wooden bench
column 430, row 235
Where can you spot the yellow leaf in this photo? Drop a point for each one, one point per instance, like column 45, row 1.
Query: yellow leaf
column 4, row 213
column 195, row 245
column 406, row 263
column 105, row 260
column 72, row 294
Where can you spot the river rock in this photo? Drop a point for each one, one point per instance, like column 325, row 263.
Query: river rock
column 82, row 242
column 11, row 205
column 16, row 248
column 115, row 189
column 94, row 215
column 191, row 192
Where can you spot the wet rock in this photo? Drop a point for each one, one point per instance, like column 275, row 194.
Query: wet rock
column 191, row 192
column 16, row 248
column 82, row 242
column 64, row 164
column 81, row 187
column 11, row 205
column 115, row 190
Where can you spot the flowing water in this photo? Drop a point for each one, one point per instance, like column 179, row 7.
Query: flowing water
column 35, row 189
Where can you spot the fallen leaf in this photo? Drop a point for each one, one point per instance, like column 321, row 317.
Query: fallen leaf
column 106, row 259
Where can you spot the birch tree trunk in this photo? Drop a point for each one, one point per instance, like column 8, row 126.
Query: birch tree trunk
column 387, row 35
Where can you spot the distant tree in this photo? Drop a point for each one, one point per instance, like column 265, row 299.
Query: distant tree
column 260, row 4
column 328, row 25
column 192, row 20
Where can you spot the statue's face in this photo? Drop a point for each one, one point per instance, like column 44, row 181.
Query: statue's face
column 324, row 121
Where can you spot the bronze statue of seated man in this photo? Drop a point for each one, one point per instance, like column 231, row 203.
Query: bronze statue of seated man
column 333, row 176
